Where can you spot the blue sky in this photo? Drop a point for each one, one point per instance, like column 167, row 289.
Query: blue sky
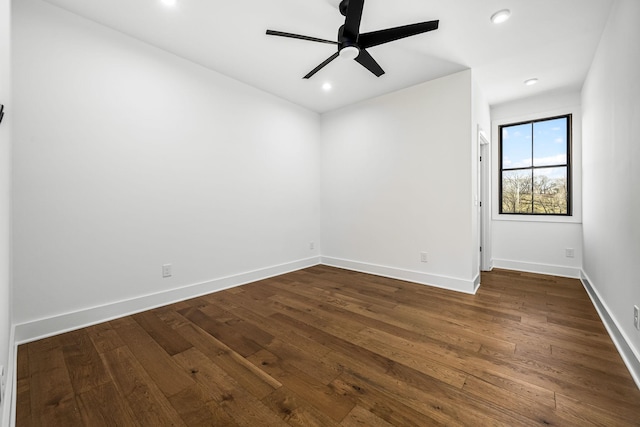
column 550, row 144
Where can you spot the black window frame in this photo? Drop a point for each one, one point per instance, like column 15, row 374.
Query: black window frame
column 568, row 165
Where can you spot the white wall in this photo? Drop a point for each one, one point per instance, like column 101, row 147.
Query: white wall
column 397, row 181
column 127, row 158
column 534, row 243
column 5, row 176
column 611, row 158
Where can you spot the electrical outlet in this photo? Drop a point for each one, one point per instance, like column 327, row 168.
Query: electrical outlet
column 636, row 317
column 312, row 245
column 166, row 270
column 569, row 252
column 423, row 257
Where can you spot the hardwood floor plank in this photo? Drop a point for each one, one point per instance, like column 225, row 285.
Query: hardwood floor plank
column 609, row 365
column 295, row 410
column 412, row 355
column 591, row 415
column 440, row 329
column 276, row 328
column 309, row 363
column 392, row 410
column 102, row 406
column 238, row 342
column 539, row 413
column 162, row 333
column 23, row 379
column 407, row 323
column 359, row 417
column 584, row 325
column 304, row 309
column 197, row 408
column 225, row 392
column 155, row 361
column 83, row 362
column 338, row 345
column 246, row 299
column 23, row 366
column 254, row 332
column 139, row 390
column 527, row 350
column 254, row 380
column 53, row 400
column 314, row 392
column 438, row 400
column 525, row 391
column 365, row 295
column 23, row 402
column 104, row 337
column 330, row 347
column 574, row 376
column 580, row 310
column 171, row 317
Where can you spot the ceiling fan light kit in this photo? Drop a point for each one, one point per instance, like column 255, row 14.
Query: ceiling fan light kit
column 353, row 45
column 349, row 52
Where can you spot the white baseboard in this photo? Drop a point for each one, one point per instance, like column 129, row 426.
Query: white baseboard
column 490, row 266
column 486, row 264
column 476, row 283
column 532, row 267
column 629, row 354
column 42, row 328
column 438, row 281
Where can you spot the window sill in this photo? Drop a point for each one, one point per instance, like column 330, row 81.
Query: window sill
column 574, row 219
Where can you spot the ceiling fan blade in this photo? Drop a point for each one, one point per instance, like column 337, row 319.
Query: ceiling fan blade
column 298, row 36
column 352, row 21
column 376, row 38
column 321, row 66
column 367, row 61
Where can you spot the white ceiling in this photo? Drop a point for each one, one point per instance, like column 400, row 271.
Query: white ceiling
column 553, row 40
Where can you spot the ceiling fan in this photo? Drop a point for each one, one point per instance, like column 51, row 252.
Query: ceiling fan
column 353, row 45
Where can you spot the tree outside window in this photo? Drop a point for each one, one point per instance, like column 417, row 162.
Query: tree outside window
column 535, row 167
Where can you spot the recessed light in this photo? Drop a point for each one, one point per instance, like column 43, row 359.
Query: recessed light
column 531, row 82
column 326, row 87
column 500, row 16
column 169, row 3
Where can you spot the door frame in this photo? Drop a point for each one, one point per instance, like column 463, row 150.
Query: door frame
column 484, row 182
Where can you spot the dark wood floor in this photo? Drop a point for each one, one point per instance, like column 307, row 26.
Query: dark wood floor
column 327, row 347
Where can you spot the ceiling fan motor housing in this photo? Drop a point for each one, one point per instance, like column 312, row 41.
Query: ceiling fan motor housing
column 345, row 41
column 344, row 5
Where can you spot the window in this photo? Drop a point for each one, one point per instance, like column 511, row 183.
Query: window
column 535, row 167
